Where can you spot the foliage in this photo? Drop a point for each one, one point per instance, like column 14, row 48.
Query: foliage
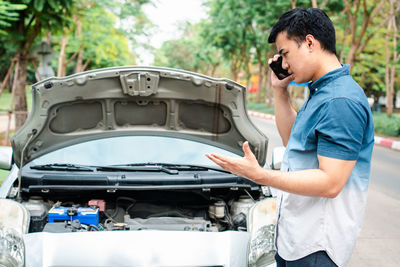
column 387, row 125
column 104, row 34
column 227, row 31
column 369, row 64
column 38, row 18
column 8, row 13
column 189, row 52
column 132, row 21
column 102, row 44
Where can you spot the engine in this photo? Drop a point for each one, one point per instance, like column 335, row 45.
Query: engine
column 175, row 212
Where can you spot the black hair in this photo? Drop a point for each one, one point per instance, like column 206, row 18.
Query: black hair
column 299, row 22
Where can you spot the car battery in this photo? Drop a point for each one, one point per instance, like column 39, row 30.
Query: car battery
column 84, row 215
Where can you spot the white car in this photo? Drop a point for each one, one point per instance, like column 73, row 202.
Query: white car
column 109, row 170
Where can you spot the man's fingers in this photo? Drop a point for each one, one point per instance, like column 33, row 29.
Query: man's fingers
column 246, row 148
column 274, row 58
column 215, row 158
column 247, row 151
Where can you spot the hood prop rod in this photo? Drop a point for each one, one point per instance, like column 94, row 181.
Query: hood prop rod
column 34, row 131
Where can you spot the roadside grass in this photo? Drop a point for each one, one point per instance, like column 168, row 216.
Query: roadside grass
column 3, row 175
column 260, row 107
column 5, row 99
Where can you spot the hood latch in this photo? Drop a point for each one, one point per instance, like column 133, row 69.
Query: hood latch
column 139, row 84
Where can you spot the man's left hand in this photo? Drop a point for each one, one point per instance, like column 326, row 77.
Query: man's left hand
column 246, row 167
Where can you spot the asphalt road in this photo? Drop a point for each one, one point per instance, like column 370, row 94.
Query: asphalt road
column 379, row 241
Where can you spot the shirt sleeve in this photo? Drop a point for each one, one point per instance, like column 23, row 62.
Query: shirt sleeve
column 340, row 129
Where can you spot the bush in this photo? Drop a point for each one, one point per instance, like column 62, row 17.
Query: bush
column 386, row 125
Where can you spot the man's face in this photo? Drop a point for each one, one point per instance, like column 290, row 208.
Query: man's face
column 295, row 58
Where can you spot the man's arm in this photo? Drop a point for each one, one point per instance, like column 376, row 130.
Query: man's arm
column 327, row 181
column 284, row 112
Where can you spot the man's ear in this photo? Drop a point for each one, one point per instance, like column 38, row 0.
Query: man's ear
column 310, row 41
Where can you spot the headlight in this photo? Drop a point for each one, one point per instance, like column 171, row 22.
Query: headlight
column 261, row 225
column 14, row 222
column 12, row 249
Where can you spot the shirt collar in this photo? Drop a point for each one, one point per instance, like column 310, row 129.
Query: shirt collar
column 344, row 70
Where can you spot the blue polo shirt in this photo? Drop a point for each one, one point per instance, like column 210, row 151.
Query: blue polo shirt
column 335, row 122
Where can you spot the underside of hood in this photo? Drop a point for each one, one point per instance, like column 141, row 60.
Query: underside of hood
column 125, row 101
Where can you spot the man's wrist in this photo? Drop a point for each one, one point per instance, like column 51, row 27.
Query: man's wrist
column 281, row 94
column 260, row 176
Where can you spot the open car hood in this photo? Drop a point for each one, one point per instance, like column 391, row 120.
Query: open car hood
column 124, row 101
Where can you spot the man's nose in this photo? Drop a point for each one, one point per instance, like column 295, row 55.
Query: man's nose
column 285, row 65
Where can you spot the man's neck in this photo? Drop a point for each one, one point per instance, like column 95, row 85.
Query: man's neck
column 328, row 63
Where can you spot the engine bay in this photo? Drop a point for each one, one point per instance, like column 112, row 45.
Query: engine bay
column 176, row 210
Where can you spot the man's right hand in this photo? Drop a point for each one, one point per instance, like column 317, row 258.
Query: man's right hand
column 275, row 82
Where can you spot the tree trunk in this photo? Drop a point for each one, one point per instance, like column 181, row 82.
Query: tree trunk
column 268, row 87
column 260, row 81
column 358, row 43
column 61, row 58
column 21, row 107
column 346, row 32
column 314, row 3
column 351, row 55
column 235, row 69
column 213, row 69
column 84, row 67
column 79, row 60
column 391, row 58
column 8, row 75
column 395, row 57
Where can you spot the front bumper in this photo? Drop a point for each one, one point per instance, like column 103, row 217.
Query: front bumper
column 137, row 248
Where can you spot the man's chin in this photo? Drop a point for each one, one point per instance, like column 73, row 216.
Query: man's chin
column 299, row 80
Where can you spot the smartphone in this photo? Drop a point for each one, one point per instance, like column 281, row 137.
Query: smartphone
column 276, row 66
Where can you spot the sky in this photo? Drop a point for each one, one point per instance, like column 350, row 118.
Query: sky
column 167, row 15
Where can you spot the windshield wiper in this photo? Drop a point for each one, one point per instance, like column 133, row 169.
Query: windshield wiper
column 138, row 168
column 164, row 167
column 61, row 167
column 187, row 167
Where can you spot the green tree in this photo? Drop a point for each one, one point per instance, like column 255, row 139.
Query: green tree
column 190, row 52
column 361, row 20
column 241, row 29
column 8, row 14
column 392, row 57
column 227, row 31
column 93, row 42
column 38, row 17
column 133, row 22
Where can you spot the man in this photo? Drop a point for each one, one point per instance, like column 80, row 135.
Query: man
column 324, row 177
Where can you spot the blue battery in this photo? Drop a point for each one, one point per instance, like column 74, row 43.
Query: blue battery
column 84, row 215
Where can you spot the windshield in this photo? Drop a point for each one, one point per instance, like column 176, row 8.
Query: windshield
column 134, row 149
